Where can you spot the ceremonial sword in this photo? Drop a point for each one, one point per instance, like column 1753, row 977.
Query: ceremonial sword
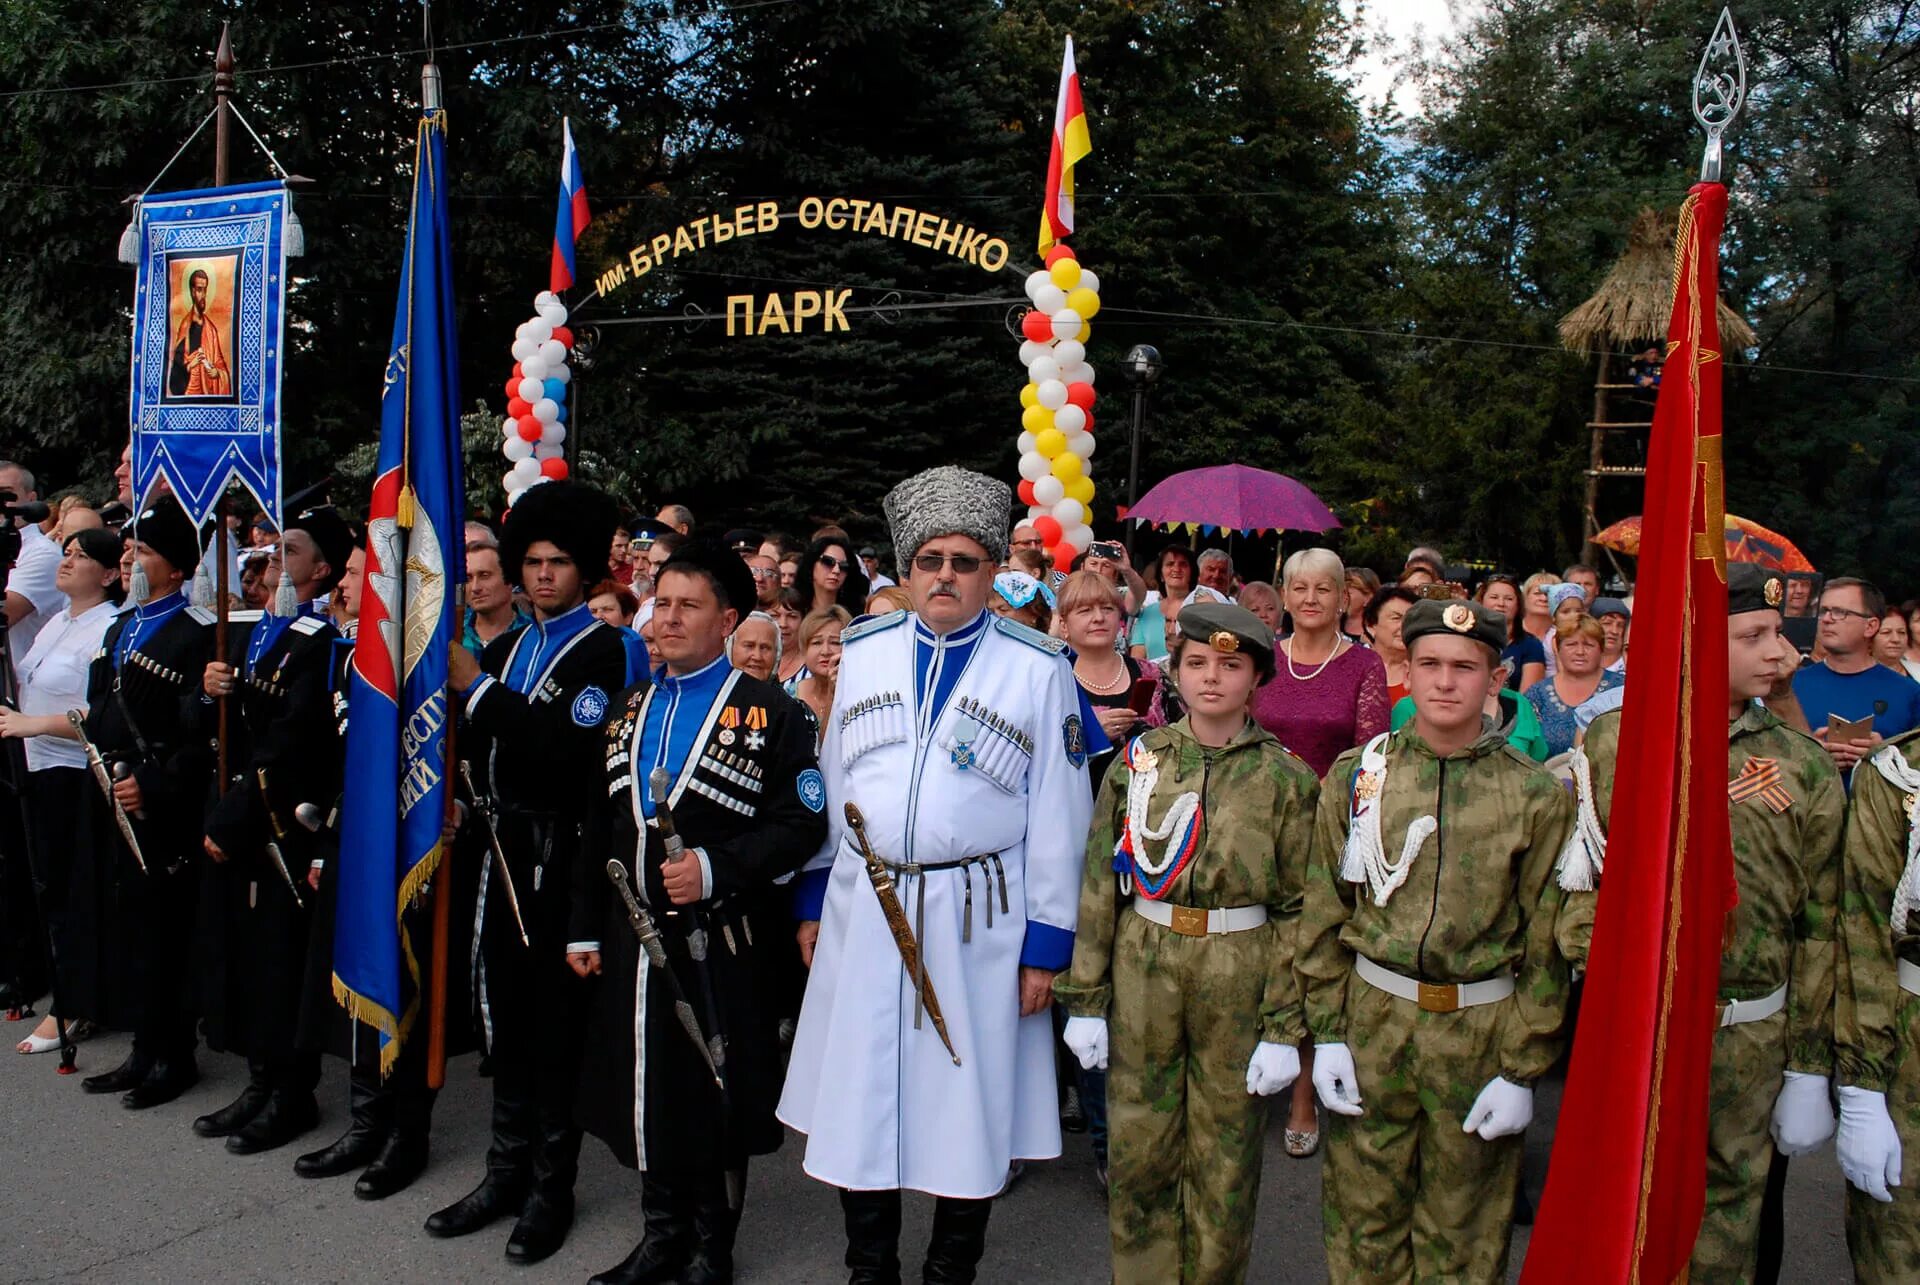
column 659, row 783
column 105, row 782
column 485, row 809
column 713, row 1052
column 279, row 833
column 902, row 931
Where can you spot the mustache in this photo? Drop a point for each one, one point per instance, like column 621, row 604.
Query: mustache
column 943, row 591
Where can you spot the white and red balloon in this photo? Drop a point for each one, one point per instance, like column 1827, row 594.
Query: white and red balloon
column 1056, row 443
column 536, row 422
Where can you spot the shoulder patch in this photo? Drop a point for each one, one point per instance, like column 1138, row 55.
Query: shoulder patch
column 1074, row 737
column 311, row 624
column 812, row 789
column 590, row 707
column 1030, row 636
column 203, row 615
column 877, row 624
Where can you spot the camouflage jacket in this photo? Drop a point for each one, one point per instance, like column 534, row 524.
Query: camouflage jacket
column 1256, row 827
column 1786, row 862
column 1867, row 1027
column 1480, row 899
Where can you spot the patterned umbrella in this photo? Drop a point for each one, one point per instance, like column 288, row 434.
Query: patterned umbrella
column 1747, row 541
column 1234, row 497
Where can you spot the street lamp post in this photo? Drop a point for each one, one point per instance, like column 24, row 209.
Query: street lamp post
column 1143, row 367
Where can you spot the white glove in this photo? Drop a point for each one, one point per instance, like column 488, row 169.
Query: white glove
column 1869, row 1145
column 1086, row 1039
column 1334, row 1080
column 1502, row 1109
column 1272, row 1068
column 1802, row 1114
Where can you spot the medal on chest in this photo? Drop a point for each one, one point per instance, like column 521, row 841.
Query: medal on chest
column 966, row 730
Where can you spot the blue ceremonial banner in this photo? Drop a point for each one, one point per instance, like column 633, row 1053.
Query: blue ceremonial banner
column 209, row 312
column 397, row 775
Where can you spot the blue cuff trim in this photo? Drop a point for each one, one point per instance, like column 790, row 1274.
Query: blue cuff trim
column 1046, row 947
column 810, row 893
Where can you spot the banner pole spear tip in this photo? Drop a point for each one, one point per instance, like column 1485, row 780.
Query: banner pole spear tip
column 1719, row 91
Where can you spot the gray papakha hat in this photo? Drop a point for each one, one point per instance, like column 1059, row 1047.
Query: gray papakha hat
column 949, row 501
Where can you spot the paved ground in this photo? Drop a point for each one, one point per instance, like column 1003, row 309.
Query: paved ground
column 93, row 1192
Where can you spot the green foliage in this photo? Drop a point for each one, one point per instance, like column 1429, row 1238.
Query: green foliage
column 1306, row 268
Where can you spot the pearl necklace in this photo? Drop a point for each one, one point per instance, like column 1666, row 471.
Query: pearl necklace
column 1105, row 688
column 1299, row 677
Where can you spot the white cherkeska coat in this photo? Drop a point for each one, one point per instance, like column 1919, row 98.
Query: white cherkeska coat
column 882, row 1104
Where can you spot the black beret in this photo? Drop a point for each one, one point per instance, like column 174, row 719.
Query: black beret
column 1754, row 588
column 1457, row 618
column 164, row 527
column 727, row 569
column 1227, row 626
column 331, row 534
column 578, row 520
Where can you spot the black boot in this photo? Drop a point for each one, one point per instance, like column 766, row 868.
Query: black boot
column 371, row 1106
column 401, row 1160
column 548, row 1215
column 661, row 1255
column 959, row 1238
column 873, row 1236
column 287, row 1114
column 509, row 1155
column 714, row 1223
column 234, row 1116
column 121, row 1078
column 166, row 1081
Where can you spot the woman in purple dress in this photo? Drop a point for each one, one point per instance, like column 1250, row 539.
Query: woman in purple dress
column 1326, row 696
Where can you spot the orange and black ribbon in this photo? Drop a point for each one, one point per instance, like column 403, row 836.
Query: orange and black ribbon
column 1760, row 779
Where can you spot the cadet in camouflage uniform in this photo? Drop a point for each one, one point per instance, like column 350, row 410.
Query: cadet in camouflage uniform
column 1773, row 1052
column 1433, row 985
column 1877, row 1028
column 1204, row 827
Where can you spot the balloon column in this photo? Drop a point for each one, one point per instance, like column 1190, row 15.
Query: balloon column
column 1056, row 445
column 536, row 422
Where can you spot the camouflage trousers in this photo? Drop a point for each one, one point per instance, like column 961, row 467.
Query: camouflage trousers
column 1406, row 1194
column 1184, row 1136
column 1749, row 1061
column 1885, row 1239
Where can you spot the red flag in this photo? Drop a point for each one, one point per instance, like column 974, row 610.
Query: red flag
column 1627, row 1181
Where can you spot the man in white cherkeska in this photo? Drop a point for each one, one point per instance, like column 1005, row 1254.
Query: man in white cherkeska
column 959, row 737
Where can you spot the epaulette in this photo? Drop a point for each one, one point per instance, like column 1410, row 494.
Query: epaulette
column 203, row 615
column 1030, row 636
column 310, row 624
column 247, row 617
column 877, row 624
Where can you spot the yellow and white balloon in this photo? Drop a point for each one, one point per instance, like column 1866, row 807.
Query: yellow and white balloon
column 1056, row 444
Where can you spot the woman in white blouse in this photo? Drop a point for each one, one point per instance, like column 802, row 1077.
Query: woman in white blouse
column 53, row 680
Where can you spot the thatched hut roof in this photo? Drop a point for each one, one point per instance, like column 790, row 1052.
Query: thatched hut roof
column 1635, row 301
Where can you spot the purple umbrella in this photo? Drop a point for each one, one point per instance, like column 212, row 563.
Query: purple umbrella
column 1234, row 497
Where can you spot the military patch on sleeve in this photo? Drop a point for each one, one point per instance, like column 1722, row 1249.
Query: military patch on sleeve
column 812, row 789
column 1075, row 737
column 589, row 707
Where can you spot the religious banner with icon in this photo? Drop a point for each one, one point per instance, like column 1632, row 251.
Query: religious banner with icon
column 209, row 315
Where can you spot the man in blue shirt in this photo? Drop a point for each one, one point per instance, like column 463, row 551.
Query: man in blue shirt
column 1848, row 682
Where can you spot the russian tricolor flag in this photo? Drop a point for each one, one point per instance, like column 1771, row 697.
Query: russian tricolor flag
column 572, row 216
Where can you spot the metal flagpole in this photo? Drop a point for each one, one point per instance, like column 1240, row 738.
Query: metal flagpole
column 222, row 113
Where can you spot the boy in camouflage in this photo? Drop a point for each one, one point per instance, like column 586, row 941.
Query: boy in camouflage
column 1773, row 1052
column 1877, row 1027
column 1432, row 982
column 1182, row 981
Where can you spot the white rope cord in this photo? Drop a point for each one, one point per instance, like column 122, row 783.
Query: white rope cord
column 1140, row 788
column 1585, row 854
column 1904, row 777
column 1365, row 860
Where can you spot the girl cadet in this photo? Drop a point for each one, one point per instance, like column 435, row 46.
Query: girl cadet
column 1182, row 982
